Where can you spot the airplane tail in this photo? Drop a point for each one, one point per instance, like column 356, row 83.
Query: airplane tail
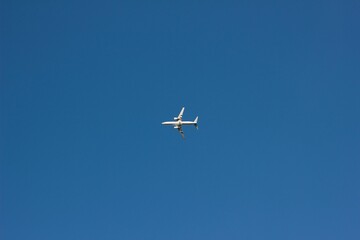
column 196, row 122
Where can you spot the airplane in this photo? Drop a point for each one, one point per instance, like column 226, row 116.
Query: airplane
column 178, row 122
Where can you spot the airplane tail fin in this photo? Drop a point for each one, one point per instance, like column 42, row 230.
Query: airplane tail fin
column 196, row 122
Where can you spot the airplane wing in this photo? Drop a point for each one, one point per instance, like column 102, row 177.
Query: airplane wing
column 181, row 113
column 181, row 132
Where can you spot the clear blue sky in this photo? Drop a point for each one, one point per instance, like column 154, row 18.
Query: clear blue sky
column 84, row 86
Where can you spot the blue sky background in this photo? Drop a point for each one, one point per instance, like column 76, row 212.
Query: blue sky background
column 84, row 86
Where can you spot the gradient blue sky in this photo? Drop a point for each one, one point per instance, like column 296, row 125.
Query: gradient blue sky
column 84, row 86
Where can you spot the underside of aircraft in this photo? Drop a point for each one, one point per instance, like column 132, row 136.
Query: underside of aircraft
column 178, row 122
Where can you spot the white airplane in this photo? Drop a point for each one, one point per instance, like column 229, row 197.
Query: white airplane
column 178, row 123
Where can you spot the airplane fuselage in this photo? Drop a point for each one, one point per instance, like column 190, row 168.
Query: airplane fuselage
column 178, row 123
